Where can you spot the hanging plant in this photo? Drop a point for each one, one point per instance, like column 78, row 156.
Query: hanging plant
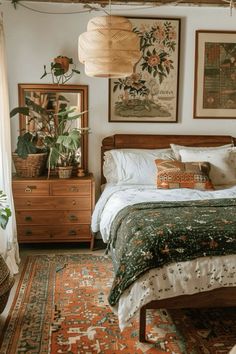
column 61, row 70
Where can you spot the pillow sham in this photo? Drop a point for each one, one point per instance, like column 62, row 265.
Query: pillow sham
column 176, row 148
column 177, row 174
column 133, row 166
column 223, row 169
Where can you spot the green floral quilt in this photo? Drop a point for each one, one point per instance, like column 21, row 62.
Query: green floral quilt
column 150, row 235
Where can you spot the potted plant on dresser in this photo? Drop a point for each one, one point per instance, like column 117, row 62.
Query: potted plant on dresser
column 55, row 137
column 31, row 153
column 64, row 145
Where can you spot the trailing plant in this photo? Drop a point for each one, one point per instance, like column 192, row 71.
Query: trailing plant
column 5, row 212
column 60, row 70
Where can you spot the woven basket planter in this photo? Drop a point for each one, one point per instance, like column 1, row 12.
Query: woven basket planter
column 33, row 166
column 6, row 283
column 65, row 172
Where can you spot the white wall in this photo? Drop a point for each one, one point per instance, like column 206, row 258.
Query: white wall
column 33, row 39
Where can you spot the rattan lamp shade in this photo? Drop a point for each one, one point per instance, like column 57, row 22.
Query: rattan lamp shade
column 109, row 48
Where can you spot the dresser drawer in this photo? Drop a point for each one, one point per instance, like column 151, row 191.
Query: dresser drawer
column 68, row 233
column 28, row 188
column 58, row 203
column 60, row 217
column 71, row 189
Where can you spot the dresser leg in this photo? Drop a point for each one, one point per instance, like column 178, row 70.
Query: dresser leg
column 92, row 242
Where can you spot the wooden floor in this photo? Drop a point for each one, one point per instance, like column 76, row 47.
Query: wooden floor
column 26, row 250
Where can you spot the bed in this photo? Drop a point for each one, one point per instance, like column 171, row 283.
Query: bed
column 116, row 197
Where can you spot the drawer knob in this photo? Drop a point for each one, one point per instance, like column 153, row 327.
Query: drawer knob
column 28, row 233
column 73, row 218
column 74, row 202
column 28, row 218
column 74, row 189
column 28, row 190
column 72, row 232
column 28, row 203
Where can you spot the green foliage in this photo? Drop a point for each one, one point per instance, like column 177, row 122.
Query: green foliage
column 54, row 132
column 5, row 212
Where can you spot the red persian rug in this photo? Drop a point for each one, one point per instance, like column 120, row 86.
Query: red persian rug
column 61, row 307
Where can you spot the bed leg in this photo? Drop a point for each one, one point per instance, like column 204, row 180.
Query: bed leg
column 142, row 325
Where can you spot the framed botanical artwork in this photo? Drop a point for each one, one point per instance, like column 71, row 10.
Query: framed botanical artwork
column 150, row 94
column 215, row 75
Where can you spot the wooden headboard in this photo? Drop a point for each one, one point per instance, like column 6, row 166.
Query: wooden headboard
column 144, row 141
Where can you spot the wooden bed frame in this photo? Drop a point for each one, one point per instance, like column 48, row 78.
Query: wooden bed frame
column 222, row 297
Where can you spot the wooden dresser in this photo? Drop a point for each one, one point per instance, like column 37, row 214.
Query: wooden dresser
column 54, row 210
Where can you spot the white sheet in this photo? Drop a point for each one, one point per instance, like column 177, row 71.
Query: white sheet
column 114, row 198
column 189, row 277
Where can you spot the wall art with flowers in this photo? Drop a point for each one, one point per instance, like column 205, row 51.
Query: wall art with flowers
column 150, row 94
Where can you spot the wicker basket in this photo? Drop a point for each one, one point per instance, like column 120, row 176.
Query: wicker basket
column 6, row 283
column 65, row 172
column 33, row 166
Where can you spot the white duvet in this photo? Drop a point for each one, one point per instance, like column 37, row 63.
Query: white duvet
column 189, row 277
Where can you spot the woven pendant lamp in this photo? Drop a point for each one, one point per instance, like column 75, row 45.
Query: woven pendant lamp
column 109, row 48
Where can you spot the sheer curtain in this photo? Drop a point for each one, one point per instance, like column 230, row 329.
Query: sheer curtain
column 8, row 237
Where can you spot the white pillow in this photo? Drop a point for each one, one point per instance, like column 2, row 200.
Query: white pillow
column 223, row 163
column 133, row 166
column 176, row 148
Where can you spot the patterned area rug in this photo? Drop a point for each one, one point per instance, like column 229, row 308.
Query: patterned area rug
column 61, row 307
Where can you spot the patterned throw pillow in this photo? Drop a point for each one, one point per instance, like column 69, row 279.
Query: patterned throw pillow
column 177, row 174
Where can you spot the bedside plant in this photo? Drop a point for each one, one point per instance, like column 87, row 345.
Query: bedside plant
column 60, row 70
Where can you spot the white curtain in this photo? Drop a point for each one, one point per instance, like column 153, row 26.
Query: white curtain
column 8, row 237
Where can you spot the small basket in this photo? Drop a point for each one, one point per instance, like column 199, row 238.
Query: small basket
column 33, row 166
column 65, row 172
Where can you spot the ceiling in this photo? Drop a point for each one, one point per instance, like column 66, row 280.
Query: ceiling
column 143, row 2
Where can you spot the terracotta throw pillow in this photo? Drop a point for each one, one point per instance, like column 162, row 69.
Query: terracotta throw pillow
column 177, row 174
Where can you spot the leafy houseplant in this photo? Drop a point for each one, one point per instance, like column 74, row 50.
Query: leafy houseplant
column 31, row 154
column 5, row 212
column 64, row 145
column 60, row 70
column 54, row 133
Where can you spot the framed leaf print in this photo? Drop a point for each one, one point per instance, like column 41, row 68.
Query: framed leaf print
column 150, row 94
column 215, row 75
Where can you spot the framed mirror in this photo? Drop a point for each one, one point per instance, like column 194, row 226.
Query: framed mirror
column 51, row 96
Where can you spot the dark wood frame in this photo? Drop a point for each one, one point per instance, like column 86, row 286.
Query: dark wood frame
column 177, row 82
column 208, row 113
column 82, row 89
column 222, row 297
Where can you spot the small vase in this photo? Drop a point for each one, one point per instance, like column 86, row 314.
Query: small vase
column 65, row 172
